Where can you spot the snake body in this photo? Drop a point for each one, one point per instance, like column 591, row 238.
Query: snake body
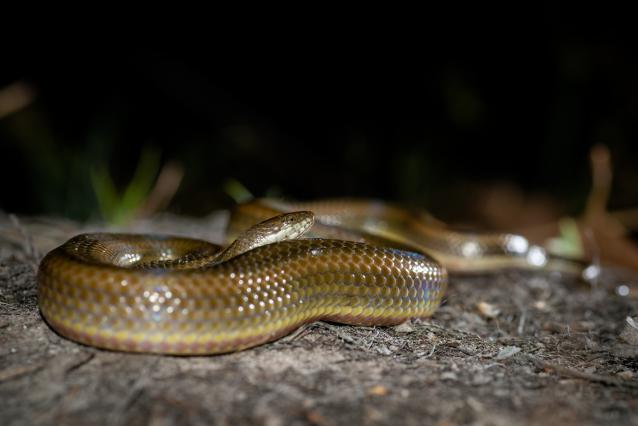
column 172, row 295
column 385, row 224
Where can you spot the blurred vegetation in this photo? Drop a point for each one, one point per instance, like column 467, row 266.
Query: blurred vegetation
column 422, row 131
column 118, row 209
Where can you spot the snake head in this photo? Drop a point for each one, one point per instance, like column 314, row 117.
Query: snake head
column 286, row 226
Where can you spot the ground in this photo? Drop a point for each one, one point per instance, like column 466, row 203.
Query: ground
column 505, row 348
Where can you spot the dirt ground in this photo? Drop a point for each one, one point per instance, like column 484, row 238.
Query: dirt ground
column 505, row 348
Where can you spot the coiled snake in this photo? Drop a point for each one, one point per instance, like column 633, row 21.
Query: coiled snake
column 369, row 263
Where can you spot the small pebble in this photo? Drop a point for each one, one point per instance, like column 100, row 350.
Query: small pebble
column 507, row 352
column 626, row 375
column 383, row 350
column 405, row 327
column 541, row 305
column 448, row 375
column 488, row 310
column 630, row 332
column 378, row 390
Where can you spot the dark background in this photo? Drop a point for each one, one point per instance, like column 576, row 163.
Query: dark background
column 426, row 124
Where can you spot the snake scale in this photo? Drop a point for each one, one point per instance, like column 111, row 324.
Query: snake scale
column 367, row 263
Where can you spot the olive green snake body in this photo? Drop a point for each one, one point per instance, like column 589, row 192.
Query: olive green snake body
column 369, row 263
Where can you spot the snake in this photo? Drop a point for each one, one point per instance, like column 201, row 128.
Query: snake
column 287, row 264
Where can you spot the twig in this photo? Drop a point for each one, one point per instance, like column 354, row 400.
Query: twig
column 297, row 334
column 19, row 371
column 166, row 186
column 601, row 182
column 521, row 322
column 577, row 374
column 83, row 361
column 15, row 97
column 627, row 217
